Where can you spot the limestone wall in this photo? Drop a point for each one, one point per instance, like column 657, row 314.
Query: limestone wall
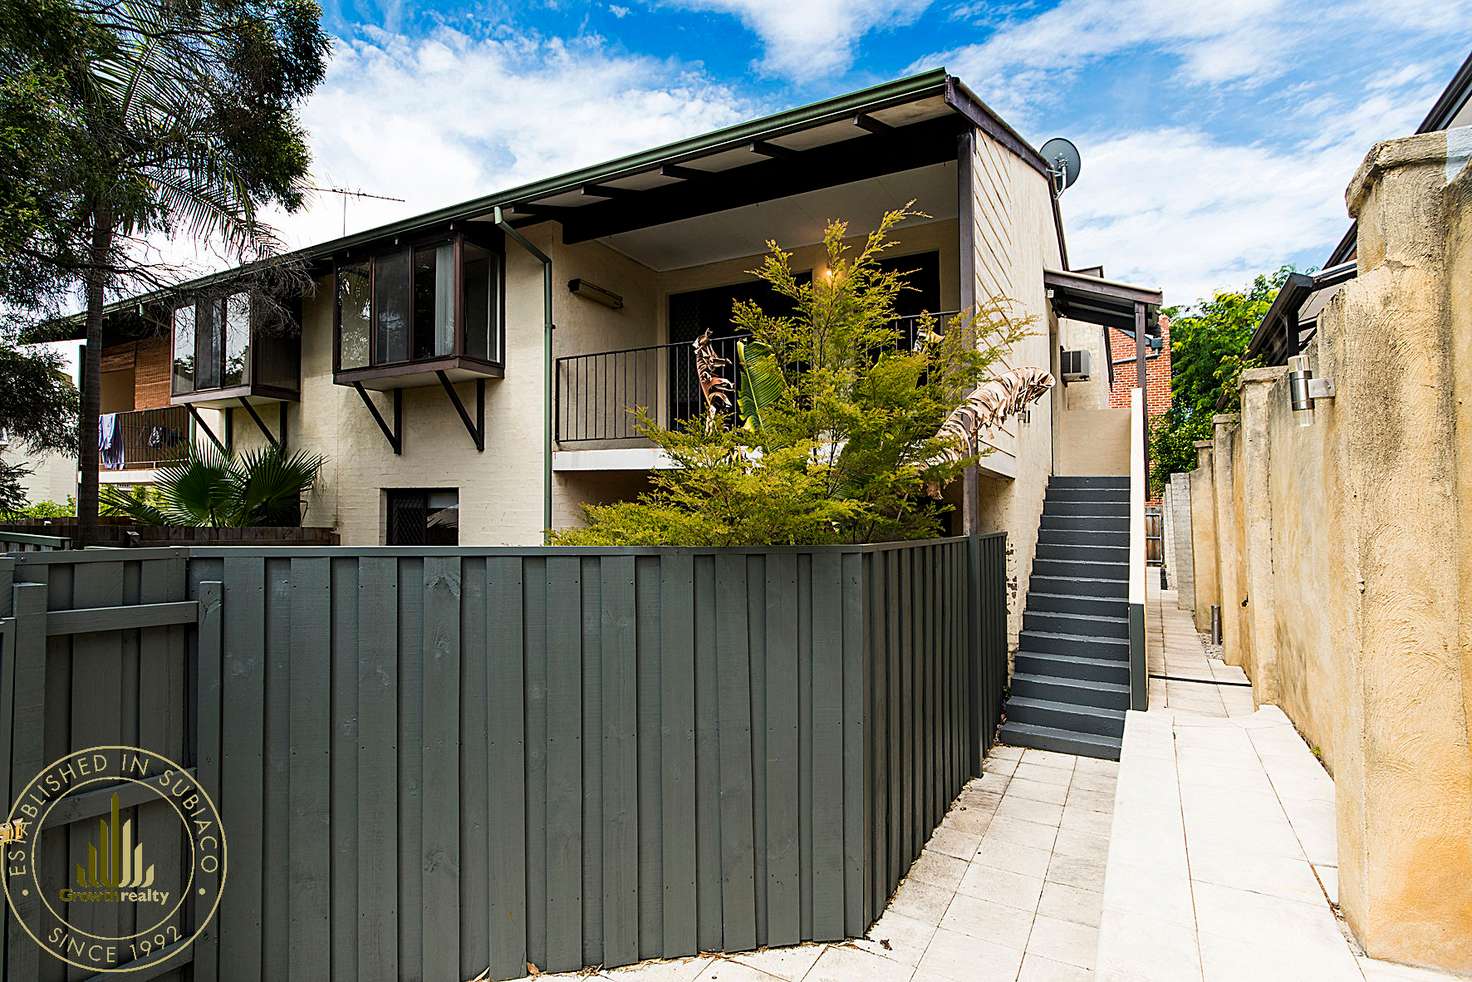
column 1343, row 552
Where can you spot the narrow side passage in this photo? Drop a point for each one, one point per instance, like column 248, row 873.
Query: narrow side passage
column 1223, row 858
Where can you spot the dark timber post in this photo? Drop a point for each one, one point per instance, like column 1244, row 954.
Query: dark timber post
column 1141, row 351
column 966, row 255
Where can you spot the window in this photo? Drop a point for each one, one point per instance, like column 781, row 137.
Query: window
column 420, row 303
column 391, row 308
column 208, row 345
column 355, row 315
column 183, row 350
column 235, row 368
column 423, row 517
column 481, row 303
column 212, row 344
column 434, row 302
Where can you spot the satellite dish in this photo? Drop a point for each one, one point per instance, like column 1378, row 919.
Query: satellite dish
column 1063, row 161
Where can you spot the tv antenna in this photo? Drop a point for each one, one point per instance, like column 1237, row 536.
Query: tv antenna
column 347, row 193
column 1064, row 163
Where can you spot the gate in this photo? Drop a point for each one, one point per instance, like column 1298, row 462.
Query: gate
column 1154, row 536
column 99, row 654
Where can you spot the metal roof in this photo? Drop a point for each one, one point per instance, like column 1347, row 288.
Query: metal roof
column 881, row 109
column 1095, row 300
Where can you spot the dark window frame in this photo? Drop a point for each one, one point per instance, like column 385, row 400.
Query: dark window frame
column 216, row 306
column 407, row 247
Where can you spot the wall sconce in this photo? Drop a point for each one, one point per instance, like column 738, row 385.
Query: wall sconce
column 1303, row 389
column 591, row 291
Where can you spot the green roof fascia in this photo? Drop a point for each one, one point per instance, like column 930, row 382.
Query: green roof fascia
column 871, row 99
column 936, row 82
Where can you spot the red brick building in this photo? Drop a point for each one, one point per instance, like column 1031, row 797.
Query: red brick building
column 1157, row 371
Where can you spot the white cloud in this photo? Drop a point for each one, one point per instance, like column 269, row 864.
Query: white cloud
column 617, row 11
column 1182, row 206
column 1027, row 61
column 445, row 118
column 810, row 39
column 1177, row 208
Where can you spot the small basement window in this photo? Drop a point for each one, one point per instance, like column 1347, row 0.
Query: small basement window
column 423, row 517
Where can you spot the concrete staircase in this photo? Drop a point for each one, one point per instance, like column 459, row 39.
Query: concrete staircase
column 1071, row 681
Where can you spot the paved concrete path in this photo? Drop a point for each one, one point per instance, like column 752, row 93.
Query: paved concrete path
column 1207, row 855
column 1223, row 860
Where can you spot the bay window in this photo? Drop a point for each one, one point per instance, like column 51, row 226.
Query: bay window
column 417, row 309
column 221, row 352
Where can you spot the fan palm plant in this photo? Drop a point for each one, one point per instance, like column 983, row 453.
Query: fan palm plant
column 181, row 119
column 259, row 488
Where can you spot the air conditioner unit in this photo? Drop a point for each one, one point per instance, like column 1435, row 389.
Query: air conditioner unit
column 1076, row 365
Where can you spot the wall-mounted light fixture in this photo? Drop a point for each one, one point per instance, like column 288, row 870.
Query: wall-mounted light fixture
column 1303, row 389
column 592, row 291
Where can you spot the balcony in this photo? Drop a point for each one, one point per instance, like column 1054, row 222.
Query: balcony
column 598, row 393
column 146, row 439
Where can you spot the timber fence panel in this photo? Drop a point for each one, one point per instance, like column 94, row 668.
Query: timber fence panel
column 440, row 763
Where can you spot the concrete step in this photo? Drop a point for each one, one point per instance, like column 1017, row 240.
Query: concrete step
column 1060, row 741
column 1079, row 586
column 1085, row 523
column 1058, row 481
column 1079, row 569
column 1078, row 604
column 1052, row 507
column 1088, row 552
column 1066, row 716
column 1054, row 665
column 1079, row 692
column 1086, row 625
column 1075, row 644
column 1084, row 536
column 1054, row 493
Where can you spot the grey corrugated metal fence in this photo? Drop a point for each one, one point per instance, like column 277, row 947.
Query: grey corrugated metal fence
column 434, row 761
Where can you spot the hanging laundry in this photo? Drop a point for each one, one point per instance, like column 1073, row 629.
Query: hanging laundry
column 110, row 441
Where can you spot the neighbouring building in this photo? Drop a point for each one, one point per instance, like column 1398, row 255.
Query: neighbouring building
column 469, row 374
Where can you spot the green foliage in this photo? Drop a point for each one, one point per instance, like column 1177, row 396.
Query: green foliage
column 1208, row 352
column 838, row 440
column 142, row 120
column 262, row 488
column 45, row 509
column 12, row 492
column 38, row 402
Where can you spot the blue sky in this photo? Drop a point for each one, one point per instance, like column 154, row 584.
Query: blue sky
column 1217, row 138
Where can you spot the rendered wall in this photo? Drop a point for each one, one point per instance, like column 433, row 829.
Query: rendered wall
column 1204, row 537
column 1350, row 538
column 1092, row 442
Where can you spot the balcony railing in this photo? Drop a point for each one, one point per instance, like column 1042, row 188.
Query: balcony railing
column 599, row 392
column 149, row 438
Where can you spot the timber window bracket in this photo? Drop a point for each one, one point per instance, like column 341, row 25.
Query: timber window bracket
column 277, row 441
column 476, row 428
column 394, row 436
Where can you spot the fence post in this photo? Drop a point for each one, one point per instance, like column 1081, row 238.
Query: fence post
column 209, row 655
column 975, row 675
column 26, row 739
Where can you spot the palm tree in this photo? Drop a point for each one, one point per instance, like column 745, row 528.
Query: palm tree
column 184, row 121
column 262, row 488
